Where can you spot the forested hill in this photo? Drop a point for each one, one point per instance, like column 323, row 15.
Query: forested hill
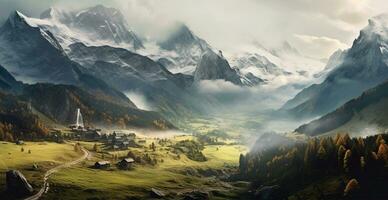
column 337, row 167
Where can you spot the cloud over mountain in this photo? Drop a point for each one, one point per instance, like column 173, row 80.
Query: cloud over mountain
column 225, row 23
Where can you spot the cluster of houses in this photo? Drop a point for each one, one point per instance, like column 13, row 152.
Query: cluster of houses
column 124, row 164
column 117, row 140
column 121, row 141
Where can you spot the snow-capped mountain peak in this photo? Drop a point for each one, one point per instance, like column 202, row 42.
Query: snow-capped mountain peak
column 361, row 67
column 183, row 39
column 52, row 12
column 19, row 20
column 106, row 24
column 379, row 24
column 377, row 29
column 98, row 25
column 180, row 51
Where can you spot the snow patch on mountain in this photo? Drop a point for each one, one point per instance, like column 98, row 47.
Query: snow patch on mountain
column 95, row 26
column 180, row 52
column 277, row 66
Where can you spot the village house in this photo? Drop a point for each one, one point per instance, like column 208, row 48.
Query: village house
column 102, row 165
column 121, row 140
column 92, row 134
column 126, row 163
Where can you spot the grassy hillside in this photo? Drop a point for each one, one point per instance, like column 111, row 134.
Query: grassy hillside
column 45, row 155
column 174, row 176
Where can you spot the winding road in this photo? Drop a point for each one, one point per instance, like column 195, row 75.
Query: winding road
column 46, row 186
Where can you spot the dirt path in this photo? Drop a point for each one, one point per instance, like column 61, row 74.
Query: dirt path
column 46, row 186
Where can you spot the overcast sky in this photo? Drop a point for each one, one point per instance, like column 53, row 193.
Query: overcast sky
column 315, row 27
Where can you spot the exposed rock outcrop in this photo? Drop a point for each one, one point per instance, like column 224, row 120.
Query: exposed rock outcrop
column 17, row 184
column 213, row 66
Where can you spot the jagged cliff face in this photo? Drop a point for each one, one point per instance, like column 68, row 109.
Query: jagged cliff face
column 95, row 25
column 213, row 66
column 33, row 54
column 181, row 51
column 128, row 71
column 364, row 66
column 184, row 41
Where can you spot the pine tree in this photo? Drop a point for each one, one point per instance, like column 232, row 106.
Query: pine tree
column 95, row 148
column 341, row 154
column 344, row 140
column 336, row 138
column 347, row 157
column 382, row 153
column 351, row 187
column 321, row 153
column 379, row 140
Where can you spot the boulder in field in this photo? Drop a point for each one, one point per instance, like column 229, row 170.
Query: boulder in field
column 17, row 184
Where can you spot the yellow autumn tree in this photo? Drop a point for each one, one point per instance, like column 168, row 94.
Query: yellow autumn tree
column 336, row 138
column 379, row 140
column 351, row 187
column 321, row 152
column 361, row 142
column 341, row 154
column 347, row 156
column 343, row 140
column 382, row 153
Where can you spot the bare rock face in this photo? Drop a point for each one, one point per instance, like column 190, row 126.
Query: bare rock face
column 213, row 66
column 17, row 184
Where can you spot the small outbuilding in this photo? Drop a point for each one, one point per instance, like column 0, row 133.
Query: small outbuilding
column 20, row 142
column 126, row 163
column 102, row 165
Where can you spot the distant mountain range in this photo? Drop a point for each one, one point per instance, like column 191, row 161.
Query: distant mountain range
column 366, row 111
column 93, row 56
column 76, row 47
column 32, row 53
column 276, row 66
column 363, row 66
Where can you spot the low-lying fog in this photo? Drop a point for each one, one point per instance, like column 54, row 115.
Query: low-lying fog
column 149, row 133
